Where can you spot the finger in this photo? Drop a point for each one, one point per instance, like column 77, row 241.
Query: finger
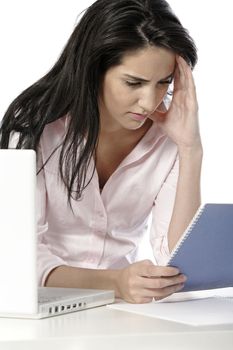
column 140, row 299
column 177, row 83
column 182, row 73
column 144, row 300
column 158, row 271
column 162, row 293
column 162, row 282
column 190, row 84
column 169, row 290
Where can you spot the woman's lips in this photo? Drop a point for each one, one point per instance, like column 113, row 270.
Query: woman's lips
column 137, row 116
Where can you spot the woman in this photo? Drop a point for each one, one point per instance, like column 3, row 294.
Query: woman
column 111, row 154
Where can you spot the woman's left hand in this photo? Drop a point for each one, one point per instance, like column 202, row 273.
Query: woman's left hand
column 180, row 121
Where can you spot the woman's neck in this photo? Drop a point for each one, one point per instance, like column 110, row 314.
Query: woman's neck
column 124, row 135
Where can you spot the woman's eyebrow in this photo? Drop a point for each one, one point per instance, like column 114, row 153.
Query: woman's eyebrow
column 144, row 80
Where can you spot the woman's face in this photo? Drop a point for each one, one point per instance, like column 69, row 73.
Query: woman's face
column 138, row 85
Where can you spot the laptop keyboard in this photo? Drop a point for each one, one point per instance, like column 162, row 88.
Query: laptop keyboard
column 44, row 299
column 50, row 294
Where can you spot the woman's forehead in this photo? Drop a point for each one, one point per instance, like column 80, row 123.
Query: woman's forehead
column 147, row 63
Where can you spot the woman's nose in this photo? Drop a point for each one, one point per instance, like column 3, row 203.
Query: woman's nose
column 148, row 103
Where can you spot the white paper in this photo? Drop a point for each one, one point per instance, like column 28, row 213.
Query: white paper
column 200, row 294
column 194, row 308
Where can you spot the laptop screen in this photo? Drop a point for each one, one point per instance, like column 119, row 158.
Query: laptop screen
column 18, row 292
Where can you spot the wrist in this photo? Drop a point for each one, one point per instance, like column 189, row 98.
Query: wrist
column 117, row 282
column 194, row 151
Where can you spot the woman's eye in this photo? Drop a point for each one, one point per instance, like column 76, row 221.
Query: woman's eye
column 133, row 84
column 166, row 82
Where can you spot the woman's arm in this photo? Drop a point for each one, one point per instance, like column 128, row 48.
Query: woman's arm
column 180, row 123
column 188, row 193
column 74, row 277
column 138, row 283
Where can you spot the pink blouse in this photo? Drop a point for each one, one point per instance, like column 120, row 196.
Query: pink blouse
column 106, row 229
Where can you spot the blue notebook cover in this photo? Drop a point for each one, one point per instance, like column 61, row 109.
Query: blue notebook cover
column 205, row 251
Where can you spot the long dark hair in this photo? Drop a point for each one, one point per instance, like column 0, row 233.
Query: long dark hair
column 106, row 32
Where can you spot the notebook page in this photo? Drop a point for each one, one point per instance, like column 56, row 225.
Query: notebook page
column 200, row 294
column 199, row 312
column 195, row 309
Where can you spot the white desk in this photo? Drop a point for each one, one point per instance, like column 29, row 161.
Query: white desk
column 103, row 328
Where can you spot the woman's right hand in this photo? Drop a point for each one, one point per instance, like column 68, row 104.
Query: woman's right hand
column 142, row 281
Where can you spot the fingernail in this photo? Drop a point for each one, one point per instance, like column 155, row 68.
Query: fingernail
column 184, row 278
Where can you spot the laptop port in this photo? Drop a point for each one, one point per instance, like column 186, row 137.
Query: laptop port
column 50, row 310
column 62, row 308
column 56, row 308
column 74, row 305
column 80, row 304
column 68, row 307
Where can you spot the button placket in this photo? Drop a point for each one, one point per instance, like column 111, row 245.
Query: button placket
column 99, row 229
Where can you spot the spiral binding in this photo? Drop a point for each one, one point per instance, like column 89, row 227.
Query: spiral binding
column 188, row 231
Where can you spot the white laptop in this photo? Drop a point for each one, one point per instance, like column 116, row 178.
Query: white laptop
column 19, row 293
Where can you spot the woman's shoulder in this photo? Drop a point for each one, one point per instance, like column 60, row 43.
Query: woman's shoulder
column 54, row 132
column 51, row 135
column 50, row 143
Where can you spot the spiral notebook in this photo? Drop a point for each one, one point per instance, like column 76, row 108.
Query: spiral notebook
column 204, row 253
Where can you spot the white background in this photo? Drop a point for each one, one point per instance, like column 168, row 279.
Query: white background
column 33, row 34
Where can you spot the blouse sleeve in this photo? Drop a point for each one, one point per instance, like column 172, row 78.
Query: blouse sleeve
column 161, row 215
